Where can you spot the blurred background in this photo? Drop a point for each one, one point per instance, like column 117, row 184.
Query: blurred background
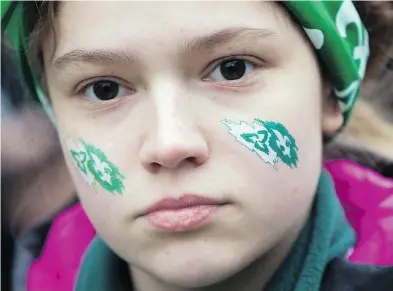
column 35, row 184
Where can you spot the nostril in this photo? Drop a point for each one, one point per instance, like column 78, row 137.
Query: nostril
column 192, row 160
column 155, row 165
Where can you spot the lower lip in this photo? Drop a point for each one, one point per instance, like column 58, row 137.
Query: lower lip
column 184, row 219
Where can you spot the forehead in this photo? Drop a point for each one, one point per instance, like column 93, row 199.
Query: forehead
column 95, row 25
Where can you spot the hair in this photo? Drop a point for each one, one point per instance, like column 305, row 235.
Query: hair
column 367, row 129
column 368, row 137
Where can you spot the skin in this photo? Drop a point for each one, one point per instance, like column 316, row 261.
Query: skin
column 167, row 139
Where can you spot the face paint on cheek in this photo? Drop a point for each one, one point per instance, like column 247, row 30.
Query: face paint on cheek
column 95, row 166
column 271, row 141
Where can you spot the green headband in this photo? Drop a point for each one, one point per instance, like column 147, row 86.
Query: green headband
column 337, row 33
column 334, row 28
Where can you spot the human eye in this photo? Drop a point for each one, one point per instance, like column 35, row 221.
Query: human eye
column 105, row 90
column 234, row 69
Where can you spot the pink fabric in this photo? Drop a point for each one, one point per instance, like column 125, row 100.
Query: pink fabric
column 367, row 198
column 58, row 265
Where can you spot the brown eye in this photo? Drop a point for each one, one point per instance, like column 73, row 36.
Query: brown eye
column 106, row 90
column 231, row 70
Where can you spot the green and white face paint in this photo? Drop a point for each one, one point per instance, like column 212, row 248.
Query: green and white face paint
column 95, row 166
column 271, row 141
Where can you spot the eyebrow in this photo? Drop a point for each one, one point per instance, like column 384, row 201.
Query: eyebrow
column 224, row 37
column 95, row 57
column 198, row 43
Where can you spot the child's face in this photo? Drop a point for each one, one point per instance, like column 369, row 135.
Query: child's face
column 164, row 130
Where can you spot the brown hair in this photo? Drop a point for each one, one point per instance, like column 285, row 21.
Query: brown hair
column 43, row 23
column 368, row 137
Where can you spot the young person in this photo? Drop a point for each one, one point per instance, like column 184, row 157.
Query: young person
column 194, row 134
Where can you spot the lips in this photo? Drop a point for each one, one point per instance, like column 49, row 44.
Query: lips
column 187, row 212
column 184, row 201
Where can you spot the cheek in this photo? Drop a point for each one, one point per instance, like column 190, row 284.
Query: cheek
column 273, row 203
column 100, row 184
column 95, row 167
column 101, row 206
column 282, row 181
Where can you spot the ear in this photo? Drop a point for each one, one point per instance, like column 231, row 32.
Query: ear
column 332, row 118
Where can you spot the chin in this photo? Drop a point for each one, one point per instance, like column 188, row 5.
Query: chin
column 196, row 276
column 199, row 270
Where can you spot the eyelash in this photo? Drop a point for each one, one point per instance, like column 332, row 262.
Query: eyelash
column 258, row 63
column 82, row 86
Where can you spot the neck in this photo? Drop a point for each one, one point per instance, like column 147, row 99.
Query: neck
column 252, row 278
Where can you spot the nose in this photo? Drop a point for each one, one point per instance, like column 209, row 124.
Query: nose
column 175, row 141
column 173, row 145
